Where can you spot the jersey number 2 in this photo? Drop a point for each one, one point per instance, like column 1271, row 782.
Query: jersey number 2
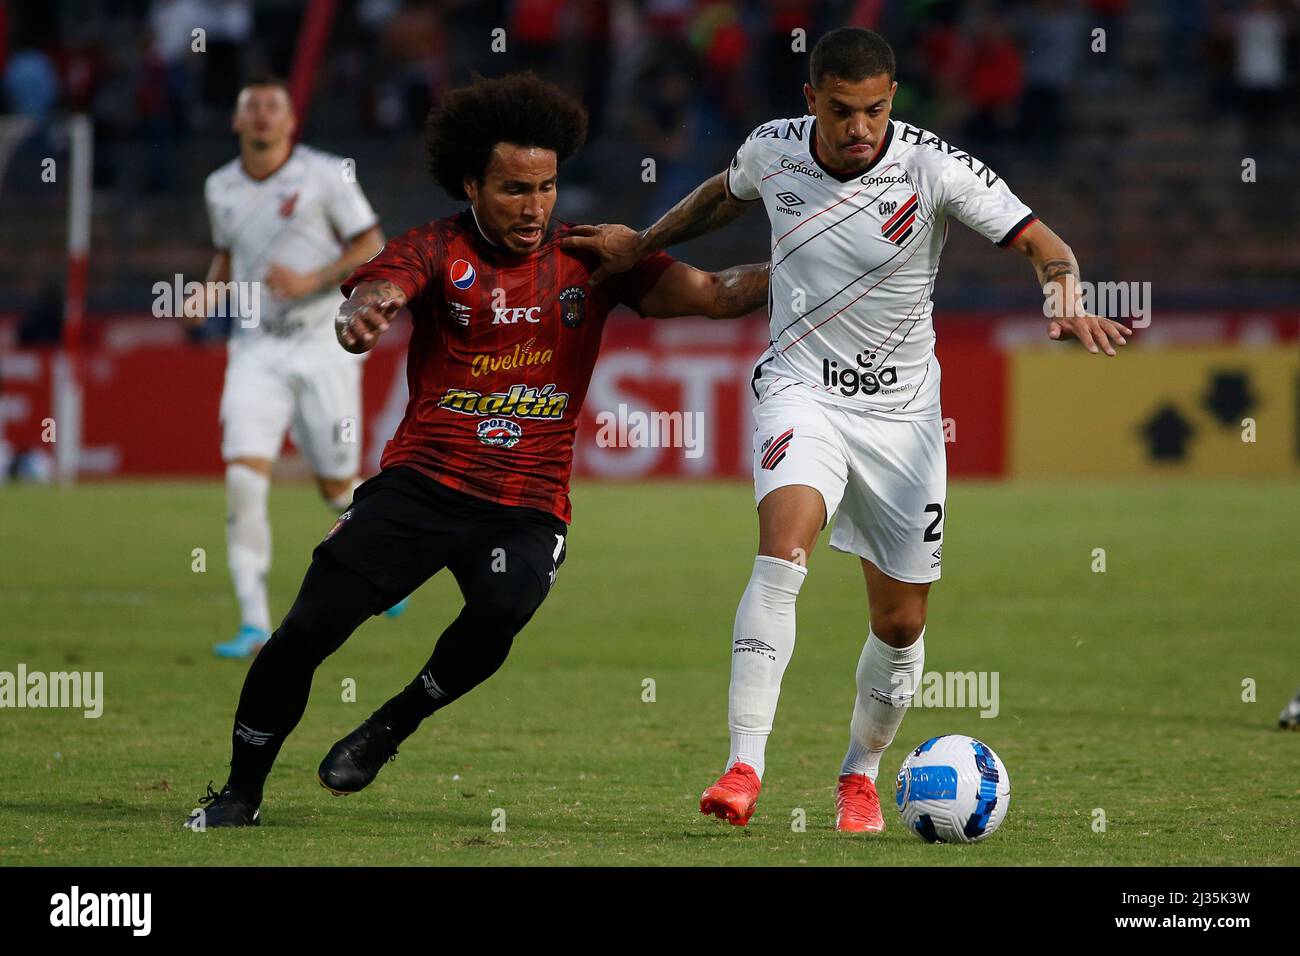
column 930, row 533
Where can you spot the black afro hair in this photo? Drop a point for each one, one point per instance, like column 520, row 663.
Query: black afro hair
column 521, row 109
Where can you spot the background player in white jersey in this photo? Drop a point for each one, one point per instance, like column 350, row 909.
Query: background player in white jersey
column 848, row 421
column 289, row 223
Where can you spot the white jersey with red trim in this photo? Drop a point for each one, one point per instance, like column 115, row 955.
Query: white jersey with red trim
column 299, row 216
column 854, row 259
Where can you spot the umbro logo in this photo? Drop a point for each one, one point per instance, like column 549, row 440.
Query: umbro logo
column 938, row 553
column 752, row 645
column 788, row 198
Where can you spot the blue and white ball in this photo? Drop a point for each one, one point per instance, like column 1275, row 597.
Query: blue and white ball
column 952, row 789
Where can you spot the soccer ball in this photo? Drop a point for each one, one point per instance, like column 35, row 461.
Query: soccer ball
column 952, row 789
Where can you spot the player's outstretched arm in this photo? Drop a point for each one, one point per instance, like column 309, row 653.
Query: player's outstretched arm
column 366, row 314
column 1058, row 276
column 287, row 284
column 685, row 290
column 710, row 206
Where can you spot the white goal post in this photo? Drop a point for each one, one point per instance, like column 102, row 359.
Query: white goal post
column 66, row 371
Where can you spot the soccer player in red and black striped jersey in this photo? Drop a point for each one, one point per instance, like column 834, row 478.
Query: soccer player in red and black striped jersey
column 506, row 329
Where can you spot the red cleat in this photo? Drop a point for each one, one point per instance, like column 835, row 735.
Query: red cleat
column 733, row 797
column 857, row 808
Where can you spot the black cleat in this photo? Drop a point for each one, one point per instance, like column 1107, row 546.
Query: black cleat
column 224, row 809
column 354, row 762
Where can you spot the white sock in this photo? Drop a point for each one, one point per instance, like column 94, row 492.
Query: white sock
column 342, row 502
column 887, row 678
column 248, row 543
column 762, row 643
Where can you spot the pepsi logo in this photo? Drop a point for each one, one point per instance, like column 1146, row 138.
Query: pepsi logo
column 462, row 274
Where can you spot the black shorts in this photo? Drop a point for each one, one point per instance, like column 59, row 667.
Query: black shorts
column 403, row 527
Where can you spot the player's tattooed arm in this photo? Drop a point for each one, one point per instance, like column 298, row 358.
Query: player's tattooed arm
column 685, row 290
column 366, row 314
column 287, row 284
column 740, row 290
column 709, row 206
column 1058, row 277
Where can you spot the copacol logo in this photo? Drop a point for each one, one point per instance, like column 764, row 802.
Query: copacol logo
column 76, row 908
column 864, row 379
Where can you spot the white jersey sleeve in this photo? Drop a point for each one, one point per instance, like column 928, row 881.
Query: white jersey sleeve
column 977, row 197
column 220, row 238
column 346, row 205
column 745, row 173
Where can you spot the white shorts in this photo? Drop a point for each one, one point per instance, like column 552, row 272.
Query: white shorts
column 885, row 481
column 313, row 391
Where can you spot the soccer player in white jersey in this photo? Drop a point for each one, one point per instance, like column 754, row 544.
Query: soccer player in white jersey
column 289, row 223
column 847, row 421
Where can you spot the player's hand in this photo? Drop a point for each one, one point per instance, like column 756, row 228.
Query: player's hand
column 365, row 317
column 618, row 247
column 194, row 313
column 284, row 283
column 1094, row 333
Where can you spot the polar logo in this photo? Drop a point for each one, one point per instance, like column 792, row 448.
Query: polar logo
column 500, row 432
column 462, row 274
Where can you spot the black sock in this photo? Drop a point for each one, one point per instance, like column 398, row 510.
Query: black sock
column 332, row 603
column 470, row 650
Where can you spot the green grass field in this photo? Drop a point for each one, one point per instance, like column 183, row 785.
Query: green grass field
column 1119, row 690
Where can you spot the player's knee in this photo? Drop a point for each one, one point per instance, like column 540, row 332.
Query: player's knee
column 787, row 548
column 301, row 627
column 899, row 626
column 507, row 616
column 337, row 492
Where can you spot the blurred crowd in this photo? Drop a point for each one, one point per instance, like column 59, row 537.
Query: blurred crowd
column 683, row 81
column 661, row 71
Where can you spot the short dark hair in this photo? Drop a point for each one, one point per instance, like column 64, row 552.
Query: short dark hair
column 265, row 78
column 852, row 54
column 520, row 109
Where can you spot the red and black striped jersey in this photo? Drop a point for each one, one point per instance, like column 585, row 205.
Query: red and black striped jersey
column 500, row 357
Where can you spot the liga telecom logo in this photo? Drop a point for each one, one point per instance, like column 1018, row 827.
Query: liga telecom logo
column 462, row 274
